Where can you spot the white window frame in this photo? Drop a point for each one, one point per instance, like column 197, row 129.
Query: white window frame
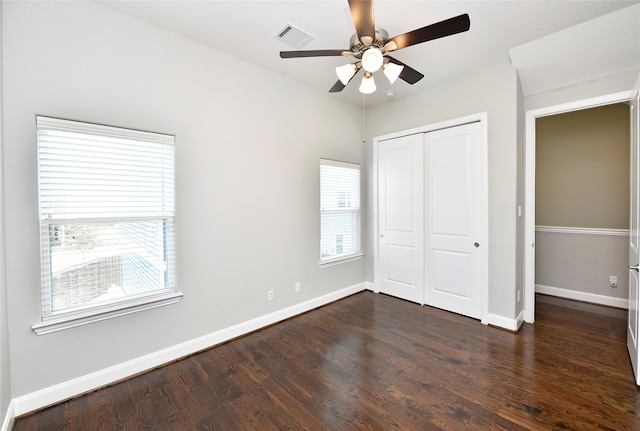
column 347, row 202
column 53, row 321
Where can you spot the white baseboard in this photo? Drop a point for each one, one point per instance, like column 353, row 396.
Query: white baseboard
column 520, row 319
column 583, row 296
column 7, row 423
column 505, row 322
column 492, row 319
column 69, row 389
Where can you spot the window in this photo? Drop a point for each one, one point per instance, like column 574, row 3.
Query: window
column 339, row 212
column 107, row 205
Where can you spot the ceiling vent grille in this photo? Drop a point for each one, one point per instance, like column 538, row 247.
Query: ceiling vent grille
column 293, row 36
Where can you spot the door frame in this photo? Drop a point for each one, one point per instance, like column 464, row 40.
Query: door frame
column 481, row 118
column 530, row 184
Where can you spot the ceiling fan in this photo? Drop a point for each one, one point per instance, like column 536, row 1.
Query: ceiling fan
column 370, row 47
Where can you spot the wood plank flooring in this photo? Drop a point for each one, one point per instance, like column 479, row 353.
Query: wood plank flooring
column 373, row 362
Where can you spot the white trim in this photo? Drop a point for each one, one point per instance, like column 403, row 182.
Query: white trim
column 593, row 298
column 474, row 118
column 97, row 314
column 505, row 322
column 482, row 118
column 583, row 230
column 9, row 418
column 530, row 177
column 65, row 390
column 337, row 261
column 339, row 164
column 112, row 131
column 520, row 320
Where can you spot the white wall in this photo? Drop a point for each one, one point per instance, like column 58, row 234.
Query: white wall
column 493, row 90
column 586, row 90
column 5, row 375
column 248, row 148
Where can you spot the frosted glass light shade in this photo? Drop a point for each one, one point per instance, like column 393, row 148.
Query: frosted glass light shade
column 392, row 71
column 368, row 85
column 346, row 72
column 372, row 59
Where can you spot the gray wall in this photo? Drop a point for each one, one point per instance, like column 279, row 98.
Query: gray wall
column 493, row 90
column 5, row 375
column 248, row 147
column 582, row 263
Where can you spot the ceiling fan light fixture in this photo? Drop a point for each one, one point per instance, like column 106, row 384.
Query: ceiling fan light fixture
column 346, row 72
column 372, row 59
column 368, row 85
column 392, row 71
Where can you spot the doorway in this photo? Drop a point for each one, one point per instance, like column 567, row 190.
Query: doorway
column 530, row 166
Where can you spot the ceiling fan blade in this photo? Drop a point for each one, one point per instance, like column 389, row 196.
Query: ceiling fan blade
column 444, row 28
column 408, row 74
column 316, row 53
column 339, row 86
column 363, row 20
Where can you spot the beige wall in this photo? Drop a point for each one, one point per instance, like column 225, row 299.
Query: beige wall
column 582, row 168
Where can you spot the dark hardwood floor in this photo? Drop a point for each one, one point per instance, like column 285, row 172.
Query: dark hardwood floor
column 373, row 362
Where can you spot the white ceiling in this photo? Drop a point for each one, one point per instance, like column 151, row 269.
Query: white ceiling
column 246, row 30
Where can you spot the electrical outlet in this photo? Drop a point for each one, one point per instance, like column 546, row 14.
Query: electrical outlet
column 518, row 296
column 613, row 281
column 297, row 287
column 270, row 295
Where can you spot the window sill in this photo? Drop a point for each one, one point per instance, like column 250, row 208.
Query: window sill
column 340, row 260
column 59, row 323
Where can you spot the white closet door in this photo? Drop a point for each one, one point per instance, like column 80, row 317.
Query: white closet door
column 453, row 216
column 400, row 266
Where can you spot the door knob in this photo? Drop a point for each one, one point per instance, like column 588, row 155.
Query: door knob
column 476, row 245
column 635, row 267
column 381, row 235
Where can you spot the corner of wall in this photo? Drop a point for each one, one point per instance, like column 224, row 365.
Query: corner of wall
column 9, row 418
column 5, row 370
column 520, row 194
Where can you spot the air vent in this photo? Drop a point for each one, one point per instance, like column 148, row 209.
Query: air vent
column 293, row 36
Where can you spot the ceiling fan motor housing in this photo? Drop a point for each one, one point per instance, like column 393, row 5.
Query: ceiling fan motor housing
column 358, row 47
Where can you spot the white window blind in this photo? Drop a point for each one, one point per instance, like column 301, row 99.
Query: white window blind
column 339, row 211
column 107, row 207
